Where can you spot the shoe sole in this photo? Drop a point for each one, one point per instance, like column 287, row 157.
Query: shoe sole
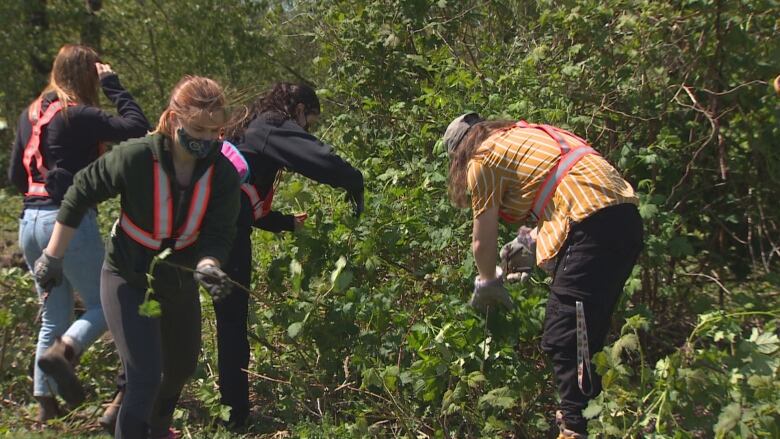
column 67, row 382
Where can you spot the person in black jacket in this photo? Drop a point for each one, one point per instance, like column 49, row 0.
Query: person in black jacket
column 60, row 133
column 274, row 137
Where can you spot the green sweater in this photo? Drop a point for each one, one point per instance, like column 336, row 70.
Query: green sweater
column 128, row 171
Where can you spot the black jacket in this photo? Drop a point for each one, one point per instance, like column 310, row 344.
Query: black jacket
column 69, row 144
column 270, row 146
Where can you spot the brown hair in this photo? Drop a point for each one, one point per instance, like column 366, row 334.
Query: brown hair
column 73, row 77
column 191, row 96
column 277, row 105
column 464, row 152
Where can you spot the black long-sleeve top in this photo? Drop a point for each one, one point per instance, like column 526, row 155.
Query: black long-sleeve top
column 70, row 144
column 269, row 146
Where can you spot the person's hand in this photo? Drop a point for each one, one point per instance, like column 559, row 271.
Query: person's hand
column 518, row 256
column 103, row 70
column 491, row 294
column 48, row 271
column 214, row 280
column 298, row 220
column 356, row 198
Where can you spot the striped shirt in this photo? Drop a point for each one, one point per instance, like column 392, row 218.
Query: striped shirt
column 509, row 168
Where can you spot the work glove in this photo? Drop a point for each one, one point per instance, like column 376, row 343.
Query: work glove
column 491, row 294
column 214, row 280
column 356, row 198
column 48, row 271
column 518, row 256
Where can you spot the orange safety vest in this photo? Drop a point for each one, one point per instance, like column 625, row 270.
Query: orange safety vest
column 261, row 206
column 32, row 151
column 163, row 213
column 569, row 157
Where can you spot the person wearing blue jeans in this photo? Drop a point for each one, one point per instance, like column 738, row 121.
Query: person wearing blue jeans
column 81, row 267
column 59, row 134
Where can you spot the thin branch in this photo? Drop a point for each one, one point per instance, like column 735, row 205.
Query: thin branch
column 707, row 276
column 266, row 378
column 713, row 125
column 747, row 84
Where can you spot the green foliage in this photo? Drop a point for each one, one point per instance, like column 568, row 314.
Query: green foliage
column 721, row 381
column 360, row 328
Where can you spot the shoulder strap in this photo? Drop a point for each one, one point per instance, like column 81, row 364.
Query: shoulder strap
column 32, row 151
column 569, row 156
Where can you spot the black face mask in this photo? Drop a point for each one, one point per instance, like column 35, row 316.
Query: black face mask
column 200, row 148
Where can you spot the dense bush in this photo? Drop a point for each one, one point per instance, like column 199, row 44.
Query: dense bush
column 360, row 327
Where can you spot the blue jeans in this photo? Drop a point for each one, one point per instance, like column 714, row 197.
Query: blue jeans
column 81, row 268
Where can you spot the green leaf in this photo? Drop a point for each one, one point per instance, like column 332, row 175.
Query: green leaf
column 150, row 308
column 343, row 280
column 294, row 329
column 647, row 211
column 728, row 419
column 499, row 398
column 5, row 318
column 339, row 278
column 390, row 377
column 340, row 264
column 371, row 378
column 680, row 246
column 296, row 274
column 592, row 410
column 766, row 343
column 474, row 379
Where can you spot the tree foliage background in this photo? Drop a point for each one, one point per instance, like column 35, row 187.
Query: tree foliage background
column 360, row 328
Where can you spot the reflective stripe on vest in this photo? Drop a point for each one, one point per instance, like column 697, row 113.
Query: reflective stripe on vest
column 260, row 207
column 33, row 148
column 163, row 213
column 569, row 157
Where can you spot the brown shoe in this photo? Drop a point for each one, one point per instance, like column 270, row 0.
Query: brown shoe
column 48, row 409
column 565, row 433
column 108, row 420
column 58, row 361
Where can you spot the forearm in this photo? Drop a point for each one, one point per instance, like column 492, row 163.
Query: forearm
column 485, row 258
column 276, row 222
column 60, row 239
column 485, row 243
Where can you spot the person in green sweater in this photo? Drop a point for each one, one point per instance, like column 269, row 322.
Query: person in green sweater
column 177, row 192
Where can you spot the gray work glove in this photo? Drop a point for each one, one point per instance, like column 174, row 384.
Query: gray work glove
column 47, row 271
column 214, row 280
column 491, row 294
column 518, row 256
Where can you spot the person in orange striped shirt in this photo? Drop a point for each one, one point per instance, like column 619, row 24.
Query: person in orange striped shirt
column 588, row 236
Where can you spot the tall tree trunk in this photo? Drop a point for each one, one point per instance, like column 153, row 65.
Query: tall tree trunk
column 39, row 49
column 91, row 27
column 717, row 72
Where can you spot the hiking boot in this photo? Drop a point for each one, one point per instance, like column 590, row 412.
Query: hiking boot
column 48, row 409
column 58, row 361
column 108, row 420
column 565, row 433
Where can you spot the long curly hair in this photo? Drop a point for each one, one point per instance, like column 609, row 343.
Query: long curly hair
column 276, row 106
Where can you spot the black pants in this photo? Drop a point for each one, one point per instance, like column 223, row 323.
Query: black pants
column 232, row 344
column 158, row 354
column 592, row 267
